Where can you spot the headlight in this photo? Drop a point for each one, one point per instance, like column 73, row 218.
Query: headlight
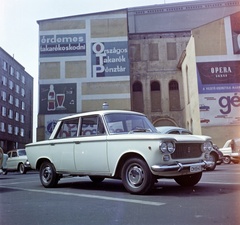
column 207, row 147
column 167, row 147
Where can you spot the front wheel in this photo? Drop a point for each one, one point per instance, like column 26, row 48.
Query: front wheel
column 48, row 175
column 188, row 180
column 22, row 168
column 213, row 159
column 226, row 160
column 136, row 176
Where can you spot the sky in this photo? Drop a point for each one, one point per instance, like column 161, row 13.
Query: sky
column 19, row 28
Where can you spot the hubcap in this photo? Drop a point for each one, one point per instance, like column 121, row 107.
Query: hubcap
column 47, row 174
column 135, row 176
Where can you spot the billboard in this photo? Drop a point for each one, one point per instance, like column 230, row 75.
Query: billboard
column 110, row 59
column 57, row 45
column 219, row 93
column 57, row 98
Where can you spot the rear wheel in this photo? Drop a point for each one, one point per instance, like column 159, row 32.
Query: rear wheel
column 226, row 160
column 48, row 175
column 136, row 176
column 22, row 168
column 188, row 180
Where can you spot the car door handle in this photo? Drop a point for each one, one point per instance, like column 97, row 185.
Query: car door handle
column 77, row 142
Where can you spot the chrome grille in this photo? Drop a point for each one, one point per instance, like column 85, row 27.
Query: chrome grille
column 187, row 150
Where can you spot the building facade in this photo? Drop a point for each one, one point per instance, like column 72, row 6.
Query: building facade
column 146, row 59
column 83, row 63
column 16, row 108
column 170, row 47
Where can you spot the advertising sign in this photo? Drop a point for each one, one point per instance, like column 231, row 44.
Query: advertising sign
column 57, row 98
column 110, row 59
column 218, row 77
column 219, row 93
column 57, row 45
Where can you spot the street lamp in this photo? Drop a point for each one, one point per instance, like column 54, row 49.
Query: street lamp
column 105, row 106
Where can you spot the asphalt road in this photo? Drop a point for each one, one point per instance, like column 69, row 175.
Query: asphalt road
column 77, row 201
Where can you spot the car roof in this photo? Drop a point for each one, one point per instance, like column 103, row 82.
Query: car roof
column 100, row 112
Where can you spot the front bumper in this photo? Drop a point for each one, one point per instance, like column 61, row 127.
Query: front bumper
column 178, row 167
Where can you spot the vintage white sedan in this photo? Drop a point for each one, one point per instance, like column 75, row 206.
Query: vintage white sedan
column 121, row 145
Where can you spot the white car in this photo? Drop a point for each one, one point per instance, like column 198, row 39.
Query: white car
column 121, row 145
column 17, row 161
column 231, row 151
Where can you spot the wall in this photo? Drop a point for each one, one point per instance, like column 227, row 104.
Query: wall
column 83, row 63
column 218, row 69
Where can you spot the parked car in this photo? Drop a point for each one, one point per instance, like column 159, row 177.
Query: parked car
column 172, row 130
column 231, row 151
column 121, row 145
column 18, row 161
column 3, row 161
column 215, row 155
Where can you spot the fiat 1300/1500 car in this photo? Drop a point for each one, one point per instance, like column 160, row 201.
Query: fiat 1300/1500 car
column 121, row 145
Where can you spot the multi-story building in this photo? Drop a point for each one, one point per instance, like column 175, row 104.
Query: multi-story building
column 16, row 103
column 148, row 59
column 185, row 65
column 83, row 63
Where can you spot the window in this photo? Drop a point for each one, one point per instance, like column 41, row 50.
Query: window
column 16, row 102
column 4, row 81
column 153, row 52
column 155, row 96
column 5, row 65
column 137, row 97
column 23, row 79
column 10, row 114
column 4, row 95
column 92, row 125
column 2, row 127
column 17, row 89
column 10, row 129
column 171, row 51
column 11, row 70
column 17, row 75
column 10, row 84
column 22, row 132
column 22, row 119
column 22, row 92
column 4, row 111
column 23, row 105
column 17, row 116
column 16, row 130
column 68, row 128
column 135, row 53
column 10, row 100
column 174, row 96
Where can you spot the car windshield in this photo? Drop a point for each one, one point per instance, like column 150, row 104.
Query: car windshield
column 21, row 152
column 126, row 123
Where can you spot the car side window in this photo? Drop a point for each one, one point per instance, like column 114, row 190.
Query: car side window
column 68, row 128
column 174, row 132
column 14, row 154
column 92, row 125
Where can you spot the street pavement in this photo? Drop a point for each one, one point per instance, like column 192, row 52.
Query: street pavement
column 78, row 201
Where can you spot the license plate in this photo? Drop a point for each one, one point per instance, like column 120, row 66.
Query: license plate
column 194, row 169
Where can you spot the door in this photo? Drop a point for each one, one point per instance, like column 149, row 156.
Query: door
column 91, row 150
